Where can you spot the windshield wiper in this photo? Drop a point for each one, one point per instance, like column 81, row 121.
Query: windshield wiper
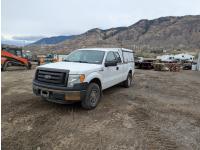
column 80, row 61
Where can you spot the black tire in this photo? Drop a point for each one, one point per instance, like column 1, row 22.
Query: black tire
column 29, row 66
column 5, row 65
column 93, row 96
column 127, row 83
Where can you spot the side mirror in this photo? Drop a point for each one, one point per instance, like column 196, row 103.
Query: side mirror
column 110, row 63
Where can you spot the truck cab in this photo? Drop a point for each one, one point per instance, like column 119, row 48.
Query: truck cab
column 83, row 75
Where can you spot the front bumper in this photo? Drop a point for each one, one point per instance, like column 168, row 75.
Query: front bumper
column 59, row 94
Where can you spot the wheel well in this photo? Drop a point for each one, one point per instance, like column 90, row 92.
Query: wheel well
column 130, row 71
column 97, row 81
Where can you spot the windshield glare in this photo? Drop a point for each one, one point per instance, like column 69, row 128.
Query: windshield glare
column 86, row 56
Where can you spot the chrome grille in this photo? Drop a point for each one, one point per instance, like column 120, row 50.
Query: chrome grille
column 52, row 76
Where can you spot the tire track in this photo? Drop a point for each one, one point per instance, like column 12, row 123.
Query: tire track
column 154, row 138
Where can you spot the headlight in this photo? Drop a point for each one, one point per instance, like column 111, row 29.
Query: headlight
column 75, row 78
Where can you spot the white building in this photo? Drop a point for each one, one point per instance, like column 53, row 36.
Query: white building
column 183, row 56
column 166, row 58
column 178, row 57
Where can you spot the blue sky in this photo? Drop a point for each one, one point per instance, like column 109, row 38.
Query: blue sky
column 32, row 19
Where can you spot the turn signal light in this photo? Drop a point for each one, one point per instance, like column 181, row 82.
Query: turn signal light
column 82, row 78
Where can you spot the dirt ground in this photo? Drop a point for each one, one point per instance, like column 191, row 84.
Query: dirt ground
column 160, row 111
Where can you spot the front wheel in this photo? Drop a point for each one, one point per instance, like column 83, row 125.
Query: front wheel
column 5, row 66
column 93, row 96
column 127, row 83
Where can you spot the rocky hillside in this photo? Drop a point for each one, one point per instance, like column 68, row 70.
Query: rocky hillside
column 163, row 33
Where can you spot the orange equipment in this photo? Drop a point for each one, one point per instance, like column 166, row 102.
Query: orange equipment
column 13, row 57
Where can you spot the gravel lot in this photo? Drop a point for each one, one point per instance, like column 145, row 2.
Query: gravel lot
column 160, row 111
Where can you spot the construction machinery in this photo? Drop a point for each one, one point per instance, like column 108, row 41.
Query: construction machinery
column 45, row 59
column 13, row 57
column 144, row 63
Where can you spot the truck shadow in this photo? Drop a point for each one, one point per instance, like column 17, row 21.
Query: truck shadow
column 113, row 89
column 76, row 106
column 10, row 69
column 19, row 68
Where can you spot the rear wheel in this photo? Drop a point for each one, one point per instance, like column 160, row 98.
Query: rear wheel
column 29, row 66
column 127, row 83
column 93, row 96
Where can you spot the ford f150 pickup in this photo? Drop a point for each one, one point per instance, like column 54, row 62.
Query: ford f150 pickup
column 84, row 75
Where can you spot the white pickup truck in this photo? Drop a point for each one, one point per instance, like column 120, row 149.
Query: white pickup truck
column 84, row 75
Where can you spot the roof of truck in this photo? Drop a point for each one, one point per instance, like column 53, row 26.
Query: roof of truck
column 107, row 49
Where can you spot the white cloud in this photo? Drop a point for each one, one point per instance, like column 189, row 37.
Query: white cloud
column 56, row 17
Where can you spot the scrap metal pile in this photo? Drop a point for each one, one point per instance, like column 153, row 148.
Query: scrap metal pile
column 173, row 67
column 173, row 63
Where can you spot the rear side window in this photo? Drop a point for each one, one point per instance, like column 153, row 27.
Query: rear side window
column 118, row 57
column 110, row 57
column 128, row 56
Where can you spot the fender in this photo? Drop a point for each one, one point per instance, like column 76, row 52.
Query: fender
column 93, row 75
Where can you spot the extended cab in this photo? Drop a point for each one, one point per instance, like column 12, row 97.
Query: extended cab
column 84, row 75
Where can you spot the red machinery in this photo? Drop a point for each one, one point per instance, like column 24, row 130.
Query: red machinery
column 13, row 57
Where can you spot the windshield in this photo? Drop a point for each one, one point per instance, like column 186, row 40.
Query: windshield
column 86, row 56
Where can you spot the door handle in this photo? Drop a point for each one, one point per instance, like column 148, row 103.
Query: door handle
column 117, row 68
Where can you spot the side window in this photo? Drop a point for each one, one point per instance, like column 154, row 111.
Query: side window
column 19, row 53
column 118, row 57
column 110, row 57
column 11, row 51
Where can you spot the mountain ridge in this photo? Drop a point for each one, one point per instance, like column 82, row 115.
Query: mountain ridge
column 170, row 32
column 52, row 40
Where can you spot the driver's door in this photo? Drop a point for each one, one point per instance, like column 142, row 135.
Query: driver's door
column 110, row 77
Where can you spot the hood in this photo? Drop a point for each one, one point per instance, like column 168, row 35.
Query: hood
column 73, row 67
